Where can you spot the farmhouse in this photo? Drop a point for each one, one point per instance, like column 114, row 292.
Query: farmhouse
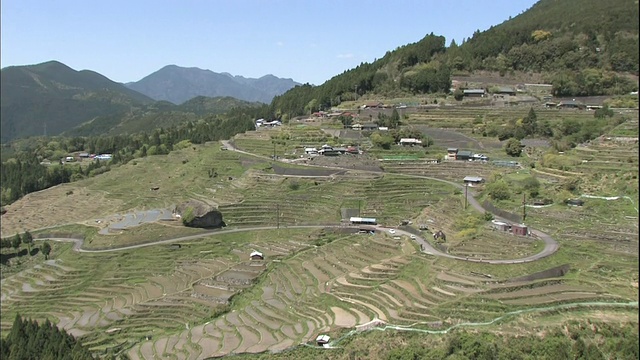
column 373, row 105
column 322, row 340
column 451, row 153
column 474, row 93
column 570, row 104
column 520, row 229
column 361, row 220
column 353, row 150
column 505, row 90
column 473, row 180
column 464, row 155
column 500, row 225
column 104, row 157
column 84, row 155
column 410, row 141
column 369, row 126
column 256, row 255
column 480, row 157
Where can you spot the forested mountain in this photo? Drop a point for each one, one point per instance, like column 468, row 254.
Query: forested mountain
column 51, row 98
column 582, row 47
column 557, row 35
column 161, row 114
column 178, row 84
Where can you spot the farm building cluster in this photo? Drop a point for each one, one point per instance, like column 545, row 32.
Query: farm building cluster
column 265, row 123
column 328, row 150
column 515, row 229
column 455, row 154
column 82, row 156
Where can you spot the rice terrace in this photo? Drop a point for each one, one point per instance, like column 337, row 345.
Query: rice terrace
column 473, row 199
column 127, row 277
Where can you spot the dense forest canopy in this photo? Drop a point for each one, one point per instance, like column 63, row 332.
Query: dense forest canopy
column 29, row 339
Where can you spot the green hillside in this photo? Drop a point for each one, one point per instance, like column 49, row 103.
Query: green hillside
column 161, row 114
column 583, row 48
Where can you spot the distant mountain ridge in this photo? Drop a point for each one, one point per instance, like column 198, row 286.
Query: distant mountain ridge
column 51, row 97
column 179, row 84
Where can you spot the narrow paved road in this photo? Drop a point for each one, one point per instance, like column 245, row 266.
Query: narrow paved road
column 550, row 245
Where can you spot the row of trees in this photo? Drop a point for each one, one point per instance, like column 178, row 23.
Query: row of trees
column 17, row 240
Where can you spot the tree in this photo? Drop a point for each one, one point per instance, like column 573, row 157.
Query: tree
column 458, row 94
column 499, row 190
column 529, row 123
column 383, row 141
column 513, row 147
column 46, row 249
column 603, row 112
column 27, row 239
column 15, row 242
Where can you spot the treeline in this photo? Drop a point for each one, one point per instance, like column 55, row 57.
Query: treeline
column 412, row 64
column 24, row 174
column 29, row 339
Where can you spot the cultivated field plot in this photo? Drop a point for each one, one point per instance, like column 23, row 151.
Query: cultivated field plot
column 298, row 201
column 608, row 164
column 452, row 170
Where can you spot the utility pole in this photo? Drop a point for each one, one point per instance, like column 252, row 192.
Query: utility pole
column 359, row 206
column 278, row 216
column 524, row 207
column 466, row 188
column 274, row 151
column 356, row 96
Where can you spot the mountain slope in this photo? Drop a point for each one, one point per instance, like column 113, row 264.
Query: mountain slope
column 178, row 84
column 52, row 97
column 581, row 47
column 557, row 34
column 160, row 114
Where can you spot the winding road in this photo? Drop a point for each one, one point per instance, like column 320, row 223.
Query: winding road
column 550, row 245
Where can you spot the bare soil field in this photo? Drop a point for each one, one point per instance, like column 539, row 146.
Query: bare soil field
column 311, row 172
column 348, row 161
column 485, row 78
column 449, row 138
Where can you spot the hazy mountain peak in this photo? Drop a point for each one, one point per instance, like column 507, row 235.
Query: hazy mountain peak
column 179, row 84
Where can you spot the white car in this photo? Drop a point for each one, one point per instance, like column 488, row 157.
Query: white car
column 392, row 231
column 413, row 237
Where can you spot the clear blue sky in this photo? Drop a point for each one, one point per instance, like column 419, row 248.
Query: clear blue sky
column 308, row 41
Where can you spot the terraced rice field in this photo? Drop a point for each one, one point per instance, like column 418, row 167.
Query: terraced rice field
column 390, row 198
column 207, row 299
column 447, row 170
